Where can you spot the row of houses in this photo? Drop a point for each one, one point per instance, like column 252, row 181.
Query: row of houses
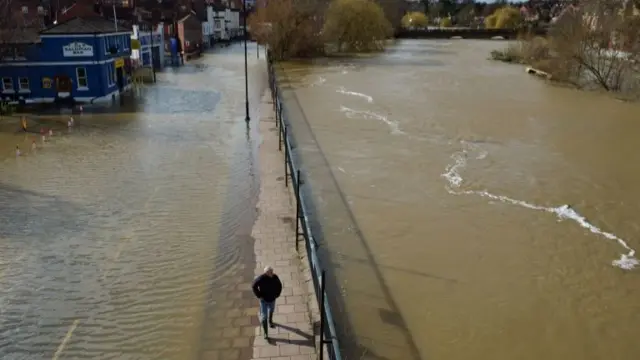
column 87, row 51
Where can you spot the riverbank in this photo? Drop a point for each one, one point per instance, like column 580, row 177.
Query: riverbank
column 604, row 71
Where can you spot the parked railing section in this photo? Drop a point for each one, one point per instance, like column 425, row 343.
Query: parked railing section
column 328, row 336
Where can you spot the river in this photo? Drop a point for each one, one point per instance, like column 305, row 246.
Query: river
column 120, row 237
column 469, row 210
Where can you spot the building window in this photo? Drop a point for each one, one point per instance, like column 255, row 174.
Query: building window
column 107, row 45
column 19, row 54
column 23, row 82
column 111, row 74
column 7, row 84
column 81, row 78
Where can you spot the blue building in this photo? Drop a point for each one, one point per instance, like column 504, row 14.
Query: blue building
column 80, row 60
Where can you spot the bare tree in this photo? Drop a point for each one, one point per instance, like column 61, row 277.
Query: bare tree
column 597, row 42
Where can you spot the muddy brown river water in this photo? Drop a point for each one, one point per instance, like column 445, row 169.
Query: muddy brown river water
column 471, row 211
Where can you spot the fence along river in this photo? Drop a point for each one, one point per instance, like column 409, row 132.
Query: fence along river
column 468, row 209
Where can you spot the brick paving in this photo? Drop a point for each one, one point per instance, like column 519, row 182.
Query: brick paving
column 233, row 331
column 274, row 235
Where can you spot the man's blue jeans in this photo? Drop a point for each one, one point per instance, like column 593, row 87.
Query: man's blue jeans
column 266, row 308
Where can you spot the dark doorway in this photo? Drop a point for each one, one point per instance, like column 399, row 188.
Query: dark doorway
column 63, row 84
column 156, row 57
column 120, row 78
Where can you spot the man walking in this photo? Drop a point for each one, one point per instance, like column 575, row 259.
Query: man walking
column 267, row 288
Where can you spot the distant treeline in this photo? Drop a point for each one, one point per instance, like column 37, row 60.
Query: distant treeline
column 463, row 12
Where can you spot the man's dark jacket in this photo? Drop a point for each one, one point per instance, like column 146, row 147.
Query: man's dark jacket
column 267, row 288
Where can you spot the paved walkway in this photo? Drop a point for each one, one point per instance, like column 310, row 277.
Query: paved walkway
column 274, row 235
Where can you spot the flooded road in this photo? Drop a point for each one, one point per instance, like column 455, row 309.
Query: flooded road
column 117, row 237
column 469, row 210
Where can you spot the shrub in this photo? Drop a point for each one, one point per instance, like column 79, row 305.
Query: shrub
column 445, row 22
column 356, row 25
column 508, row 18
column 490, row 21
column 504, row 18
column 414, row 19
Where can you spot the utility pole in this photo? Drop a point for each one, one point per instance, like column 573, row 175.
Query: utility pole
column 246, row 76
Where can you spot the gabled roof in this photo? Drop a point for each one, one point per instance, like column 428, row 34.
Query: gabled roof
column 84, row 25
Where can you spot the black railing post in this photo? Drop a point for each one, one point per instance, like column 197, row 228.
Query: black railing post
column 275, row 99
column 280, row 137
column 276, row 114
column 297, row 189
column 322, row 319
column 286, row 157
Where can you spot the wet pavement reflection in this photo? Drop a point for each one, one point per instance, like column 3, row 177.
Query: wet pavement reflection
column 122, row 236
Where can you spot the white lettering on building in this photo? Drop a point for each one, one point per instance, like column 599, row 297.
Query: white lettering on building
column 77, row 49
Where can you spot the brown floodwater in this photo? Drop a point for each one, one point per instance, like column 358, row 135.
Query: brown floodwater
column 471, row 211
column 116, row 234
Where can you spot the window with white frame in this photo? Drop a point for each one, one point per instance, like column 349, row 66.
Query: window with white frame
column 111, row 74
column 7, row 84
column 81, row 78
column 23, row 82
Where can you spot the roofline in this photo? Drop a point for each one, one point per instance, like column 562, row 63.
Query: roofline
column 42, row 33
column 85, row 34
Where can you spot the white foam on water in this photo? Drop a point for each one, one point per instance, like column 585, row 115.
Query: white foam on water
column 344, row 91
column 319, row 81
column 351, row 114
column 452, row 174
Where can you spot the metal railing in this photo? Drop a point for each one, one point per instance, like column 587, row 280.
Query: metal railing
column 292, row 174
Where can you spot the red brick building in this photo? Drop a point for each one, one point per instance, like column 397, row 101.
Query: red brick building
column 189, row 30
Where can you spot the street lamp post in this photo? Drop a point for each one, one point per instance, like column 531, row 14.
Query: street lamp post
column 151, row 59
column 246, row 75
